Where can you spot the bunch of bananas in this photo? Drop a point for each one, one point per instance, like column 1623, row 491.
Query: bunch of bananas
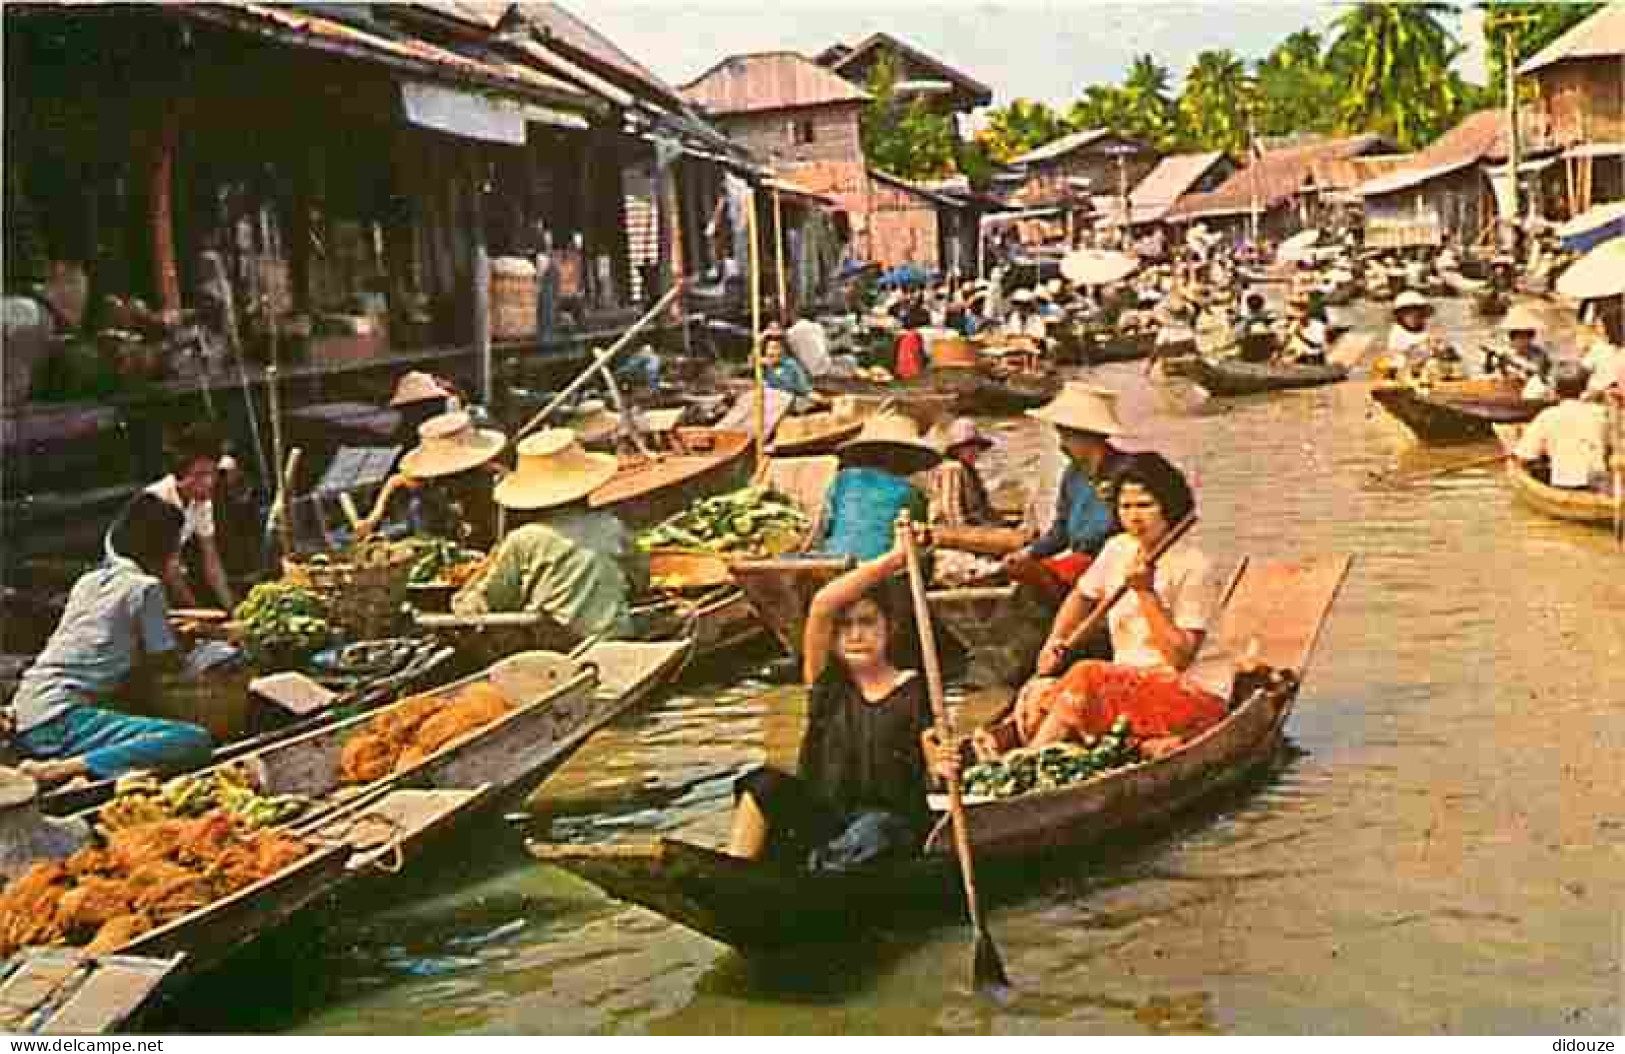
column 144, row 800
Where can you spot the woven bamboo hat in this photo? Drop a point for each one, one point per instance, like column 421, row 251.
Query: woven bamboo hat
column 449, row 444
column 1411, row 298
column 1521, row 319
column 27, row 836
column 416, row 386
column 896, row 436
column 554, row 470
column 1082, row 407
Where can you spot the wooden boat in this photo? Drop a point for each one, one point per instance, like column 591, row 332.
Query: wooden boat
column 374, row 831
column 1455, row 412
column 1558, row 503
column 428, row 658
column 987, row 396
column 697, row 463
column 1223, row 377
column 1279, row 608
column 1094, row 345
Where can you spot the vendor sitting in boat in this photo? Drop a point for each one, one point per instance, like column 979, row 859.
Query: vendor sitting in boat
column 1305, row 343
column 783, row 372
column 1024, row 319
column 958, row 496
column 1421, row 353
column 1523, row 358
column 1085, row 418
column 113, row 642
column 1254, row 319
column 858, row 795
column 872, row 487
column 449, row 474
column 577, row 565
column 1156, row 631
column 1568, row 445
column 194, row 462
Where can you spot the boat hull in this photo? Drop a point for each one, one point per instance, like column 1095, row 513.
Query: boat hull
column 1227, row 377
column 1444, row 419
column 1572, row 506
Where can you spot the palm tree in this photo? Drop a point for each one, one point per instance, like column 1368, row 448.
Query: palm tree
column 1102, row 106
column 1397, row 58
column 1217, row 97
column 1018, row 127
column 1148, row 106
column 1532, row 25
column 1295, row 92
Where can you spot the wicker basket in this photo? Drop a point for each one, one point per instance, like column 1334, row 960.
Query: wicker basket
column 513, row 298
column 364, row 599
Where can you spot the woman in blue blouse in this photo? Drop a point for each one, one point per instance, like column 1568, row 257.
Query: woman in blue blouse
column 872, row 487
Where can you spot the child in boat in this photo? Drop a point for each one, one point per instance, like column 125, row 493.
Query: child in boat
column 450, row 472
column 1305, row 343
column 1156, row 629
column 114, row 638
column 1568, row 444
column 575, row 564
column 872, row 487
column 958, row 496
column 1085, row 418
column 859, row 791
column 783, row 372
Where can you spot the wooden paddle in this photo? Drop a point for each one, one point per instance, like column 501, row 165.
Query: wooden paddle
column 987, row 969
column 1618, row 415
column 1090, row 624
column 1435, row 473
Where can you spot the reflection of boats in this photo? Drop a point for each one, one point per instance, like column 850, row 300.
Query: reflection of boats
column 1455, row 411
column 743, row 903
column 1558, row 503
column 1229, row 377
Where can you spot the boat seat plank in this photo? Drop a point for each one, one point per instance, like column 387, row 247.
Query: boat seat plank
column 1279, row 604
column 118, row 987
column 40, row 977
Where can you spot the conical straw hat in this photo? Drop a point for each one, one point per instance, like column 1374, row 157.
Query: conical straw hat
column 895, row 435
column 1082, row 407
column 416, row 386
column 554, row 470
column 1599, row 273
column 449, row 444
column 1521, row 318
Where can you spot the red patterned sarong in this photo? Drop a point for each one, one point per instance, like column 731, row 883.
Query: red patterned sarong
column 1157, row 702
column 1054, row 575
column 910, row 355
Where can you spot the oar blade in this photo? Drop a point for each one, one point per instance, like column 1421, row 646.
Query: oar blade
column 987, row 971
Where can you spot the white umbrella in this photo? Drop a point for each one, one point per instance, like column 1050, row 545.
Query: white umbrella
column 1599, row 273
column 1299, row 242
column 1097, row 266
column 1592, row 219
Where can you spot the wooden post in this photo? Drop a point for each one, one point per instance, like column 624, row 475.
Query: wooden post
column 161, row 212
column 482, row 285
column 778, row 257
column 756, row 329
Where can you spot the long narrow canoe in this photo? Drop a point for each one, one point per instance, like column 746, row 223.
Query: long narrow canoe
column 700, row 463
column 1085, row 345
column 1274, row 610
column 1450, row 414
column 1223, row 377
column 369, row 833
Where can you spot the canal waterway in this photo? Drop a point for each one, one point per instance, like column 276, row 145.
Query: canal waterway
column 1441, row 849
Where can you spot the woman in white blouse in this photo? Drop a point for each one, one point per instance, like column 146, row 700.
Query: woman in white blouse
column 1156, row 628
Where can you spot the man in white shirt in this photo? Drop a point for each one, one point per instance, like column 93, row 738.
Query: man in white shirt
column 810, row 345
column 1024, row 320
column 189, row 488
column 1572, row 436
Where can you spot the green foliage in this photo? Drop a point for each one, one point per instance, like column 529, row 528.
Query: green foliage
column 1218, row 98
column 1394, row 63
column 906, row 139
column 1295, row 91
column 1020, row 126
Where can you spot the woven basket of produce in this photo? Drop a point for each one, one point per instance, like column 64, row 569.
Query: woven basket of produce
column 513, row 298
column 363, row 587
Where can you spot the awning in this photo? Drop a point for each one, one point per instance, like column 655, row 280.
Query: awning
column 1524, row 168
column 1595, row 150
column 994, row 219
column 1593, row 227
column 474, row 116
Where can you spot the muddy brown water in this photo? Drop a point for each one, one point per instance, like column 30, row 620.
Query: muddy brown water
column 1442, row 848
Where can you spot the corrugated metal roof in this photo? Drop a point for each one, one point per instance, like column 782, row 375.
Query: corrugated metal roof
column 561, row 25
column 1599, row 37
column 1476, row 137
column 1271, row 179
column 1171, row 178
column 1058, row 147
column 773, row 80
column 1346, row 173
column 965, row 81
column 296, row 26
